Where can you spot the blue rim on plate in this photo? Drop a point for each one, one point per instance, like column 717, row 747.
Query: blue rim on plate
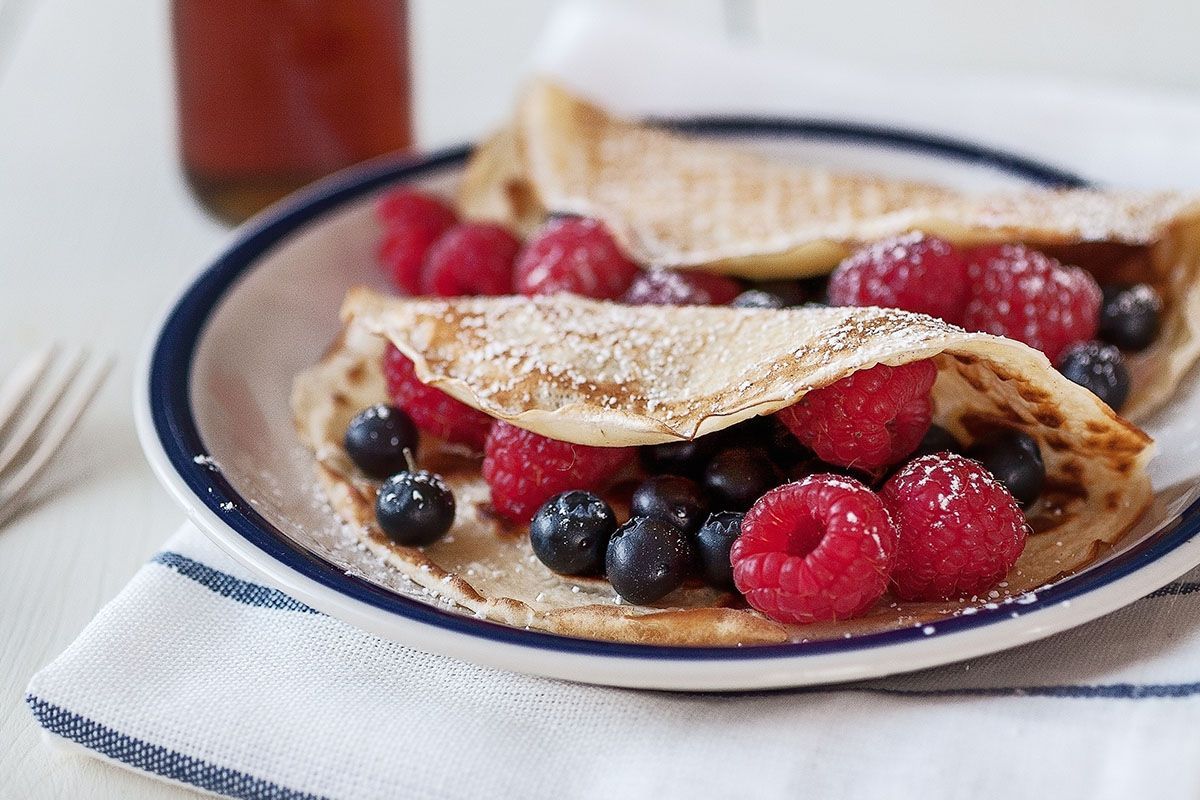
column 175, row 426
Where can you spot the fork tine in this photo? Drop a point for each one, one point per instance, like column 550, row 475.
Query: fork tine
column 52, row 441
column 35, row 416
column 19, row 384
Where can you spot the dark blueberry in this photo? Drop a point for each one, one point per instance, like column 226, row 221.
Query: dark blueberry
column 1013, row 459
column 647, row 559
column 783, row 446
column 678, row 458
column 769, row 434
column 738, row 476
column 1100, row 368
column 756, row 298
column 570, row 532
column 787, row 292
column 712, row 543
column 816, row 290
column 414, row 508
column 377, row 438
column 936, row 440
column 672, row 498
column 1130, row 316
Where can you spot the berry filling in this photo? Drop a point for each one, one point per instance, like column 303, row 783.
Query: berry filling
column 868, row 420
column 433, row 411
column 524, row 470
column 573, row 255
column 474, row 258
column 412, row 221
column 1028, row 296
column 914, row 272
column 960, row 530
column 719, row 509
column 820, row 549
column 664, row 287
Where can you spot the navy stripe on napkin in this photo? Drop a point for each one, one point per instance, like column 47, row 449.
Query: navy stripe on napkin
column 256, row 595
column 226, row 585
column 155, row 759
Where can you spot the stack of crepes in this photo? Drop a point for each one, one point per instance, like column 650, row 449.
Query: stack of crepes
column 605, row 374
column 689, row 203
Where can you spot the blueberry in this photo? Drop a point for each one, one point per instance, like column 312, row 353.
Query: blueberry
column 570, row 532
column 783, row 446
column 712, row 543
column 1013, row 459
column 1100, row 368
column 756, row 298
column 686, row 458
column 414, row 508
column 377, row 438
column 787, row 292
column 1130, row 316
column 647, row 559
column 737, row 476
column 769, row 434
column 676, row 500
column 816, row 289
column 936, row 440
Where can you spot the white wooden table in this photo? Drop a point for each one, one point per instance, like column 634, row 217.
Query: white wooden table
column 97, row 232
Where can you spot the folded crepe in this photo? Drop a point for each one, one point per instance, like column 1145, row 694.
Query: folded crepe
column 691, row 203
column 604, row 374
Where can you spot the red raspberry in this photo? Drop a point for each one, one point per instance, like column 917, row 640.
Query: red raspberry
column 525, row 470
column 867, row 420
column 818, row 549
column 470, row 258
column 434, row 411
column 574, row 255
column 1028, row 296
column 664, row 287
column 412, row 222
column 960, row 530
column 914, row 272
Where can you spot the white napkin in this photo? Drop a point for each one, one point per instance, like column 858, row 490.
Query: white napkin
column 198, row 674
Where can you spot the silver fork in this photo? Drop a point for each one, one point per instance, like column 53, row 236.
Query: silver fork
column 41, row 402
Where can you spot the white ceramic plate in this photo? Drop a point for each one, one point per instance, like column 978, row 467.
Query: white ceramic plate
column 214, row 389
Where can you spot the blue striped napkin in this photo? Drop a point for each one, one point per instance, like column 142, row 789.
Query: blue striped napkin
column 198, row 674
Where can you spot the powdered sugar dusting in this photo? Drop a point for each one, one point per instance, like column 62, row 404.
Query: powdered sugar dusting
column 678, row 201
column 673, row 365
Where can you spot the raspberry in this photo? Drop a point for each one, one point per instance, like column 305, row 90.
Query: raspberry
column 574, row 255
column 1028, row 296
column 412, row 222
column 471, row 258
column 819, row 549
column 867, row 420
column 434, row 411
column 664, row 287
column 525, row 470
column 960, row 530
column 404, row 206
column 914, row 272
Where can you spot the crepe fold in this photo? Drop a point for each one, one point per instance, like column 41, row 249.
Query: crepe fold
column 686, row 202
column 604, row 374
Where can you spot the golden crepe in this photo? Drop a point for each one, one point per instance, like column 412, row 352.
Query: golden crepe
column 605, row 374
column 684, row 202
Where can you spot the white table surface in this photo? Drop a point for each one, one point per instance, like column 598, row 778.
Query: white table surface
column 97, row 232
